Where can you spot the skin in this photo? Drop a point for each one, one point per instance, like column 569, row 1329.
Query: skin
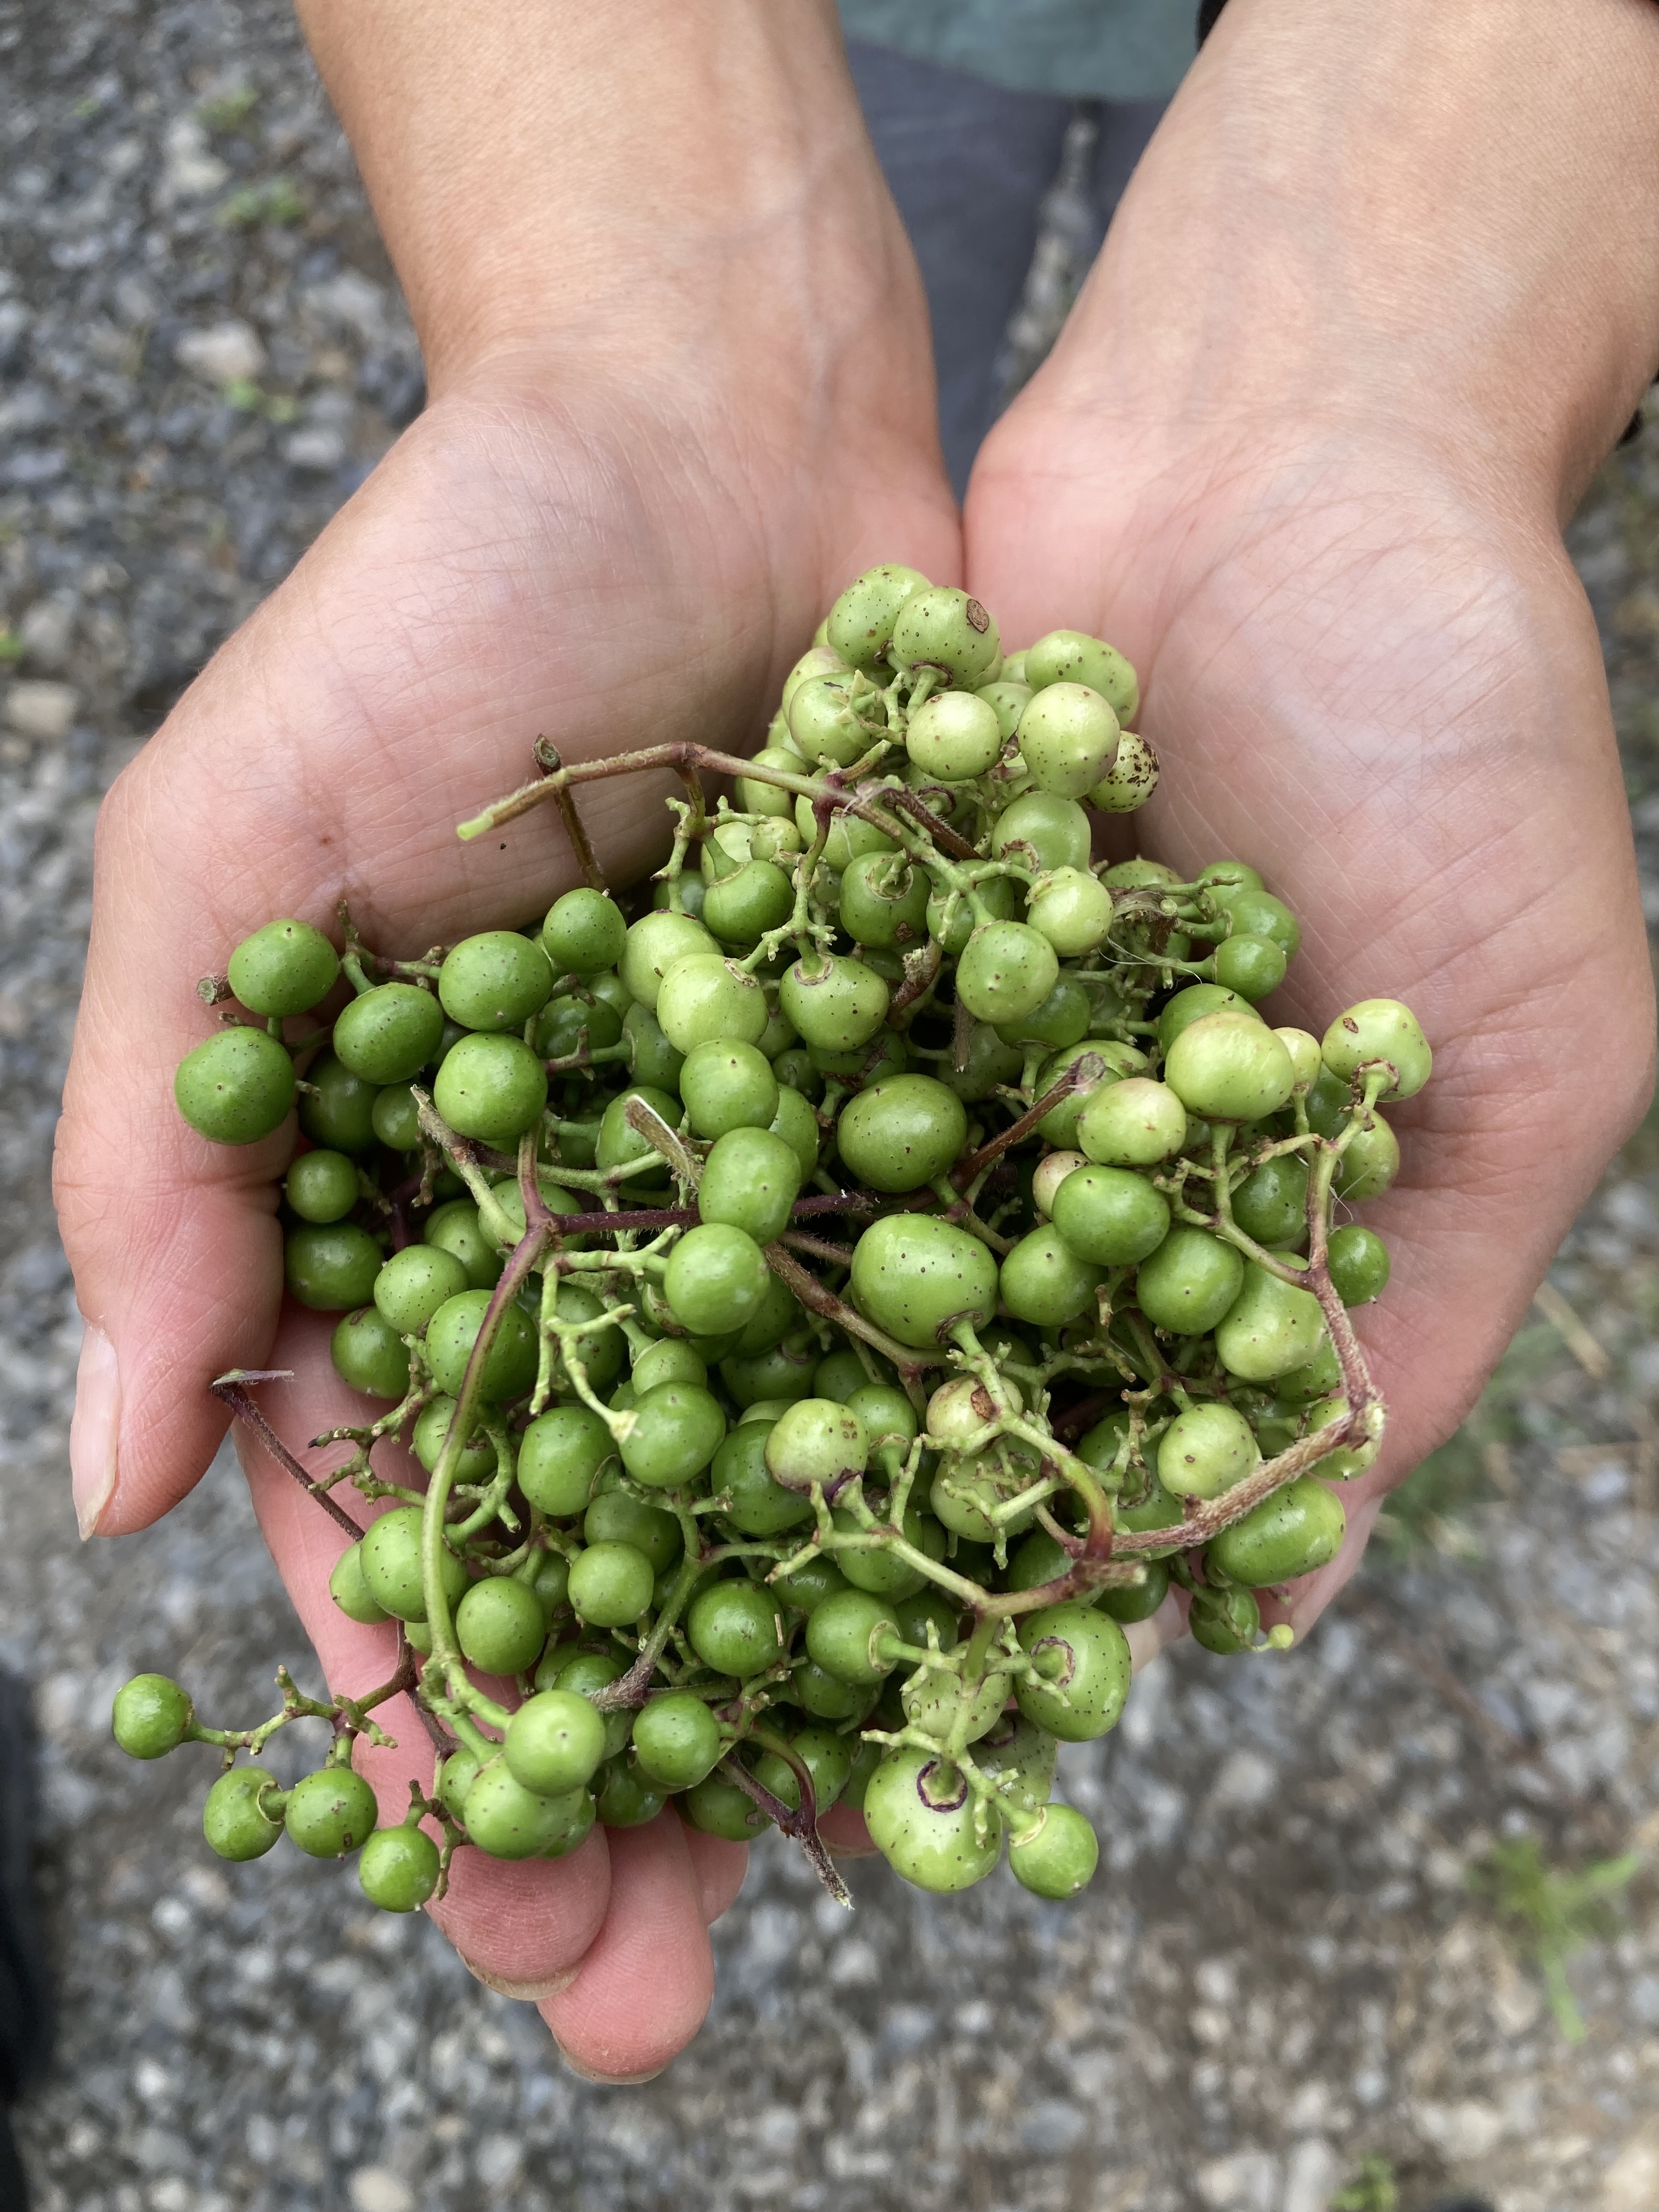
column 681, row 392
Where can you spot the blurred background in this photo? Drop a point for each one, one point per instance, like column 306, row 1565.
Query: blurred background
column 1376, row 1926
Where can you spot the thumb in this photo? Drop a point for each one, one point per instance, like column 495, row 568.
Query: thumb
column 173, row 1241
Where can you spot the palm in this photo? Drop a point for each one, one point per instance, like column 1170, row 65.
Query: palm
column 1392, row 703
column 510, row 570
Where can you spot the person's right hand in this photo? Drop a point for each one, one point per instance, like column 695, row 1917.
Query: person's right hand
column 682, row 392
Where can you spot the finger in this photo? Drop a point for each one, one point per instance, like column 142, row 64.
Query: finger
column 843, row 1830
column 719, row 1867
column 641, row 1992
column 521, row 1926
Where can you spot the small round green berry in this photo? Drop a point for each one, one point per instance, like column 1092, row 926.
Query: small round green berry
column 150, row 1717
column 232, row 1820
column 398, row 1868
column 329, row 1813
column 235, row 1088
column 284, row 969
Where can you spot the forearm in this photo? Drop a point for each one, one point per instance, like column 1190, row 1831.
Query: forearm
column 1441, row 217
column 618, row 169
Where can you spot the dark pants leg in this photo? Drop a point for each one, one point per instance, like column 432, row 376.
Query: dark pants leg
column 969, row 164
column 24, row 2027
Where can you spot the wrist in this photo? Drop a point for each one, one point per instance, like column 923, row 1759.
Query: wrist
column 618, row 179
column 1431, row 228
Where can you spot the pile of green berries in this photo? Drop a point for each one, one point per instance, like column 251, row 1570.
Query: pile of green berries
column 826, row 1306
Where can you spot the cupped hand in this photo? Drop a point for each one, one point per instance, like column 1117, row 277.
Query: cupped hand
column 611, row 552
column 1374, row 676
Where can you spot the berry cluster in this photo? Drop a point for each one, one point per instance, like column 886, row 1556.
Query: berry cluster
column 825, row 1308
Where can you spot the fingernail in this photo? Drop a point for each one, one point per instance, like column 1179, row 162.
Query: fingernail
column 95, row 1428
column 521, row 1992
column 606, row 2080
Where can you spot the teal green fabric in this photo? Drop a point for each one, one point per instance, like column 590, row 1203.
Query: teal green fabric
column 1084, row 49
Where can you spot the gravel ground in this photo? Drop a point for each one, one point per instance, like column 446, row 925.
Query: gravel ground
column 1281, row 1971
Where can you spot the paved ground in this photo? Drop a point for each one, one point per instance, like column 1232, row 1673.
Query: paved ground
column 1282, row 1971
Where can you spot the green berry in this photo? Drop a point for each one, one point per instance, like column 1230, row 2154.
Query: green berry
column 1252, row 966
column 414, row 1282
column 1082, row 1658
column 734, row 1627
column 1109, row 1216
column 716, row 1807
column 397, row 1870
column 916, row 1278
column 1044, row 1281
column 1134, row 1123
column 859, row 626
column 1359, row 1264
column 1072, row 909
column 1007, row 970
column 1379, row 1030
column 284, row 969
column 655, row 942
column 846, row 1632
column 616, row 1517
column 955, row 735
column 833, row 1003
column 1068, row 738
column 233, row 1821
column 677, row 1739
column 395, row 1118
column 1042, row 831
column 1057, row 1855
column 554, row 1742
column 509, row 1369
column 727, row 1085
column 928, row 1824
column 1072, row 656
column 1271, row 1203
column 758, row 1505
column 1270, row 1329
column 750, row 1180
column 455, row 1227
column 478, row 1459
column 815, row 1441
column 902, row 1133
column 677, row 1429
column 235, row 1088
column 492, row 1088
column 329, row 1813
column 704, row 997
column 321, row 1187
column 389, row 1033
column 500, row 1625
column 610, row 1584
column 716, row 1279
column 390, row 1554
column 1294, row 1532
column 560, row 1455
column 332, row 1268
column 1207, row 1450
column 495, row 980
column 1130, row 779
column 1230, row 1067
column 150, row 1715
column 350, row 1591
column 584, row 933
column 507, row 1821
column 369, row 1355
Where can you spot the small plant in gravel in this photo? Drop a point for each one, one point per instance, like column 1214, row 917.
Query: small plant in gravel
column 1373, row 2189
column 823, row 1310
column 1548, row 1915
